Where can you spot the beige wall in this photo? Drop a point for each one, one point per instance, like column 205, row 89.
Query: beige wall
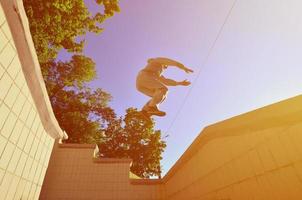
column 25, row 144
column 73, row 173
column 257, row 155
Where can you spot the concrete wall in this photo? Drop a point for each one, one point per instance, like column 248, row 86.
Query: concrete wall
column 25, row 125
column 257, row 155
column 74, row 173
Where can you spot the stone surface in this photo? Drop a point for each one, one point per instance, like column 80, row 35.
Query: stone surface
column 25, row 144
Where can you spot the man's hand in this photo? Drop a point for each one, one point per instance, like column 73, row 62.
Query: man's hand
column 184, row 83
column 187, row 70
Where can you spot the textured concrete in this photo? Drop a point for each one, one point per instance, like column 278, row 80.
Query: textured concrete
column 19, row 34
column 27, row 126
column 257, row 155
column 74, row 173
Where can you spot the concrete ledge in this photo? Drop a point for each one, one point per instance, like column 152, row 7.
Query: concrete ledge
column 146, row 181
column 96, row 150
column 77, row 146
column 112, row 160
column 18, row 24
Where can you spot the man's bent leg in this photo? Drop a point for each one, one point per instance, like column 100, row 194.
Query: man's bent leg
column 164, row 97
column 146, row 106
column 158, row 97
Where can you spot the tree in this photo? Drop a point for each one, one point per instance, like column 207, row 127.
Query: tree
column 134, row 137
column 81, row 111
column 57, row 24
column 59, row 75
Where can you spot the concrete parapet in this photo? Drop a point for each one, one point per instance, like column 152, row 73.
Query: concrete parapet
column 27, row 123
column 74, row 172
column 251, row 156
column 257, row 155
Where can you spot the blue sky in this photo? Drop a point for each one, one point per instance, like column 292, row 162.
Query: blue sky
column 255, row 61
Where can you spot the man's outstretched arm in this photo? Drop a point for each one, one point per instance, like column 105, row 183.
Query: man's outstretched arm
column 170, row 82
column 170, row 62
column 167, row 61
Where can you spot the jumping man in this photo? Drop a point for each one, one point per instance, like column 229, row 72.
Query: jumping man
column 151, row 83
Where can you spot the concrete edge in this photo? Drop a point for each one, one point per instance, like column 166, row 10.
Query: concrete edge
column 146, row 181
column 112, row 160
column 19, row 27
column 76, row 146
column 96, row 150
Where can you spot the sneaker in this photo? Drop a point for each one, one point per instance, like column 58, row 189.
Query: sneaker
column 154, row 111
column 156, row 108
column 149, row 109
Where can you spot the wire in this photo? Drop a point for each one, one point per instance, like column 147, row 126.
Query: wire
column 203, row 65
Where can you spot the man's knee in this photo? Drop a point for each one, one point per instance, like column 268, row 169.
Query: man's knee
column 163, row 90
column 159, row 96
column 162, row 93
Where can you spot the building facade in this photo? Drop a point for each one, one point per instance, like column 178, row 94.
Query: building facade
column 257, row 155
column 28, row 127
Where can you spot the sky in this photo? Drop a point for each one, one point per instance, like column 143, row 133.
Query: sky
column 251, row 61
